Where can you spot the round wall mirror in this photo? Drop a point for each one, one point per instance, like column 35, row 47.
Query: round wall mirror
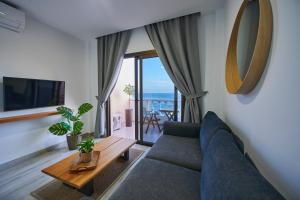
column 249, row 46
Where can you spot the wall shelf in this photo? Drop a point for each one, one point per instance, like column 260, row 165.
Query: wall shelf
column 27, row 117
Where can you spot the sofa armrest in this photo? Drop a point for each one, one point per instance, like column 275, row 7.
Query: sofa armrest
column 181, row 129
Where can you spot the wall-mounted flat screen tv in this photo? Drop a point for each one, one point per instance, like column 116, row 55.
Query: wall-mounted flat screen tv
column 23, row 93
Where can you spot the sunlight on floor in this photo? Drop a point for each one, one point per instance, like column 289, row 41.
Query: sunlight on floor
column 128, row 132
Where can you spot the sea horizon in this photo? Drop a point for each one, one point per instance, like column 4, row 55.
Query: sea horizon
column 157, row 105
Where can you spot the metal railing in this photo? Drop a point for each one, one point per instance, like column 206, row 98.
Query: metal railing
column 152, row 104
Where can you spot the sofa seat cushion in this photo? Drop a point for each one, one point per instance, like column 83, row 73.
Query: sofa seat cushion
column 227, row 174
column 156, row 180
column 210, row 125
column 181, row 151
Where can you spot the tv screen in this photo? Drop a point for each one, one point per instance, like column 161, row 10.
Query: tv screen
column 22, row 93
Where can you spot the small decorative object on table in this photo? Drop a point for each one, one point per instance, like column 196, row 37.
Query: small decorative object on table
column 72, row 125
column 86, row 149
column 87, row 159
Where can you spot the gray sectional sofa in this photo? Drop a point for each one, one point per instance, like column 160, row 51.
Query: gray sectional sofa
column 193, row 162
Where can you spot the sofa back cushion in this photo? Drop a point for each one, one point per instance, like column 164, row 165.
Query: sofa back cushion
column 210, row 124
column 227, row 174
column 238, row 142
column 181, row 129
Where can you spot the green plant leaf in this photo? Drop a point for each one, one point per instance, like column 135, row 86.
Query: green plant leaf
column 86, row 146
column 77, row 127
column 60, row 128
column 65, row 112
column 128, row 89
column 84, row 108
column 74, row 118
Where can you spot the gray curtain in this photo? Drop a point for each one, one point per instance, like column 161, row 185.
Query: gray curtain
column 111, row 50
column 176, row 43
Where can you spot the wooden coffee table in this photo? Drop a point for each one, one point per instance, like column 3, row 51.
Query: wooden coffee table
column 110, row 149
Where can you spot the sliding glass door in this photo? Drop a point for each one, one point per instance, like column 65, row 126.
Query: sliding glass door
column 143, row 99
column 157, row 99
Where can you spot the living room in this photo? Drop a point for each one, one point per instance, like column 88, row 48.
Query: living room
column 82, row 48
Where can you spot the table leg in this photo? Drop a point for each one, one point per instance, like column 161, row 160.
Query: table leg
column 88, row 189
column 156, row 120
column 153, row 121
column 126, row 155
column 172, row 116
column 149, row 121
column 168, row 116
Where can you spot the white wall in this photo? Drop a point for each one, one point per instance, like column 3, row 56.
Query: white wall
column 139, row 41
column 45, row 53
column 211, row 47
column 268, row 119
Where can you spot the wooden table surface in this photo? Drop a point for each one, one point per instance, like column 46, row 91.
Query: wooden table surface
column 110, row 149
column 169, row 113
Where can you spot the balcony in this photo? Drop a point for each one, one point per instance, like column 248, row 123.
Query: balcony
column 156, row 112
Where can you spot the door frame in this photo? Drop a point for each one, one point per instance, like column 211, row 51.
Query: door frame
column 138, row 71
column 138, row 81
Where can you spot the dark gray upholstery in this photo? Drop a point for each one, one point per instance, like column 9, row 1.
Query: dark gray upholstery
column 227, row 174
column 211, row 123
column 181, row 129
column 181, row 151
column 238, row 142
column 171, row 169
column 156, row 180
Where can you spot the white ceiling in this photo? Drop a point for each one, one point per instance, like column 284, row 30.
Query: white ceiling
column 91, row 18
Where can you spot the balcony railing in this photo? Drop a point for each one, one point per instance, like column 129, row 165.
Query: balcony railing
column 155, row 105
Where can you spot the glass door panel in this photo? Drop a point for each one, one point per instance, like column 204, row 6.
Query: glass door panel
column 158, row 99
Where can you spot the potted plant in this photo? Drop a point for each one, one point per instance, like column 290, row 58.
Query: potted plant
column 86, row 149
column 71, row 126
column 129, row 90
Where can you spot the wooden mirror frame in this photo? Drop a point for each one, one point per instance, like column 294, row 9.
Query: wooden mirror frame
column 259, row 58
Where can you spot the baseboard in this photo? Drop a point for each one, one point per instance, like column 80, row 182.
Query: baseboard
column 31, row 155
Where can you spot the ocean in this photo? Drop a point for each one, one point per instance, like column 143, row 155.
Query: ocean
column 167, row 96
column 159, row 101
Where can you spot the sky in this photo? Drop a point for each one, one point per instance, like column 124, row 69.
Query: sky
column 155, row 77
